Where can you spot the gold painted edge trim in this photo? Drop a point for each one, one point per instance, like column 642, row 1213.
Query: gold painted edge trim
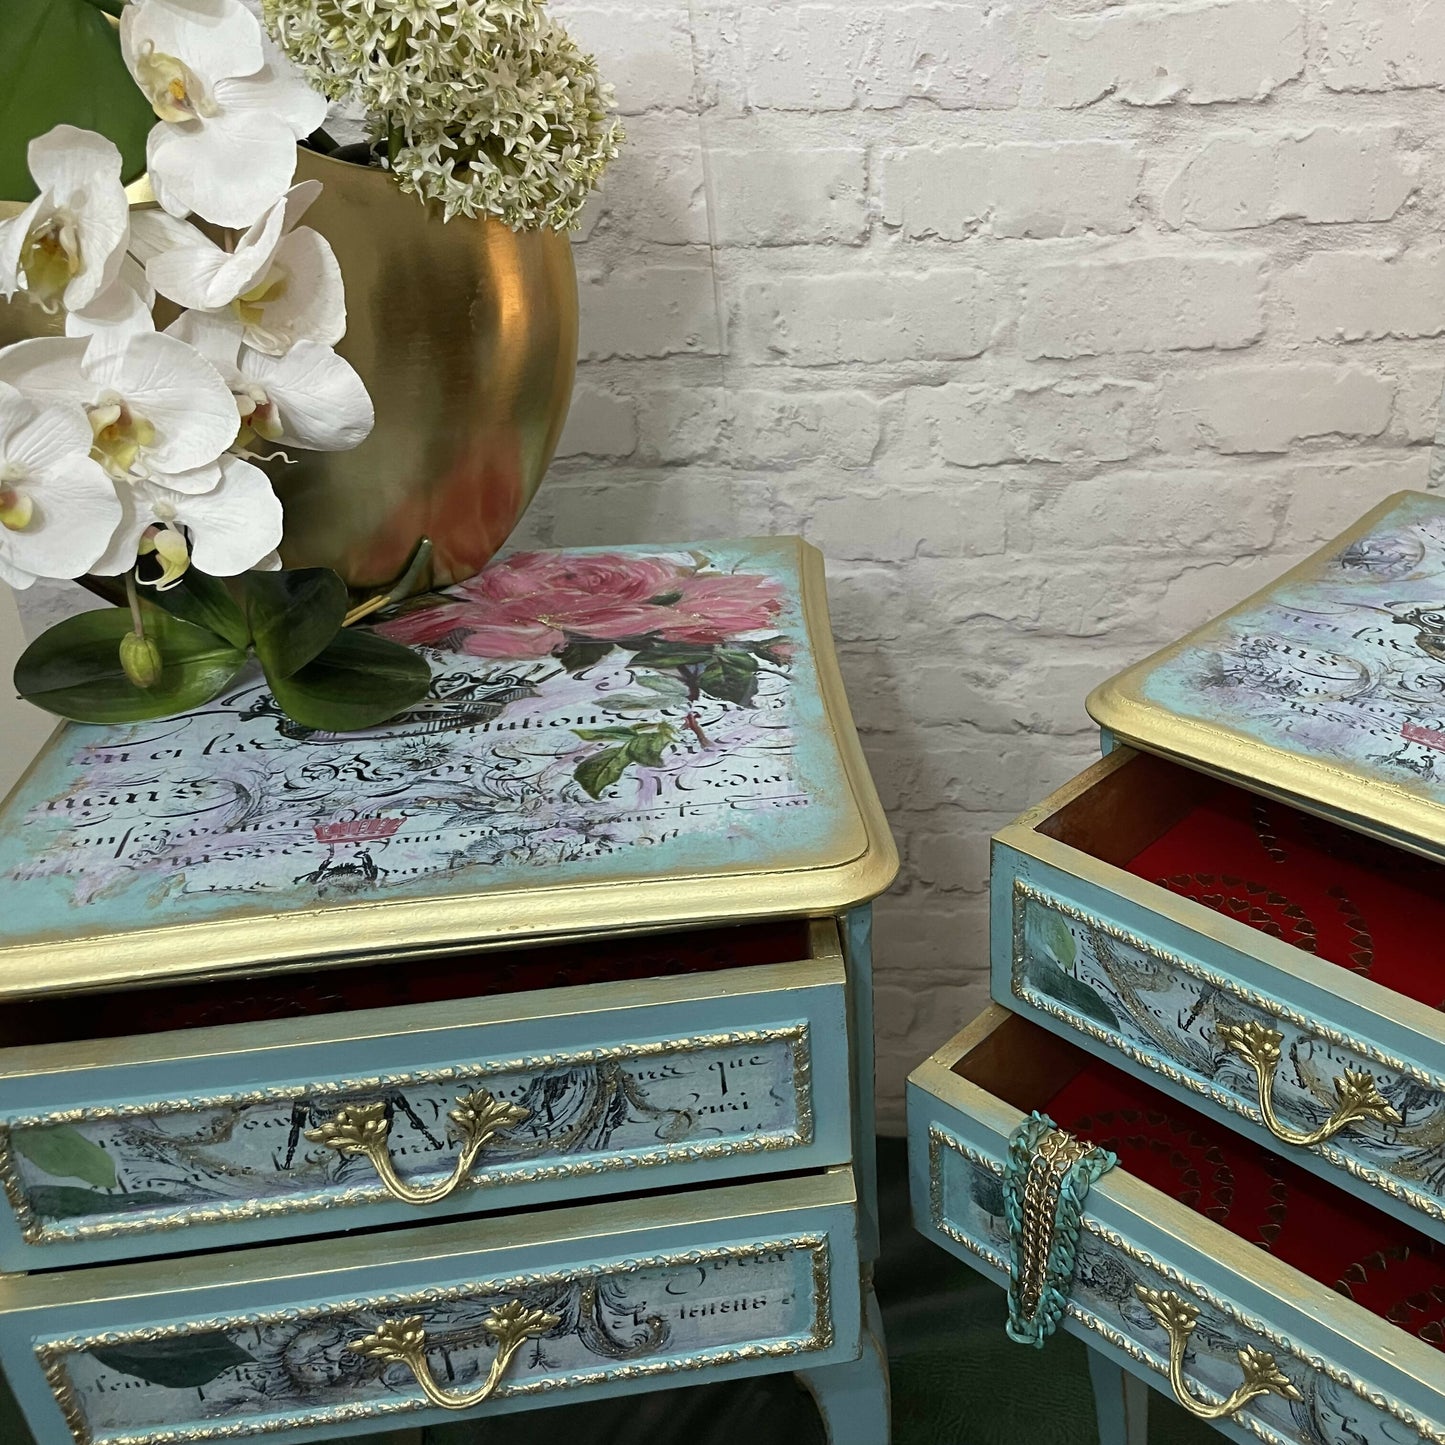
column 796, row 1038
column 940, row 1138
column 1367, row 802
column 862, row 866
column 1023, row 837
column 51, row 1354
column 1433, row 1206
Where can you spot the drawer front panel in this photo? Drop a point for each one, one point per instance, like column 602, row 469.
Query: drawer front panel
column 463, row 1129
column 1334, row 1408
column 1340, row 1104
column 459, row 1336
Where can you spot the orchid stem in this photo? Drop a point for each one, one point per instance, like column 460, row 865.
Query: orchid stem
column 402, row 588
column 134, row 601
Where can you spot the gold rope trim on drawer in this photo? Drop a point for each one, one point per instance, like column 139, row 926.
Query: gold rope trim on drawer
column 1430, row 1205
column 796, row 1037
column 940, row 1139
column 51, row 1354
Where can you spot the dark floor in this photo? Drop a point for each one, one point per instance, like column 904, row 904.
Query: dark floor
column 957, row 1380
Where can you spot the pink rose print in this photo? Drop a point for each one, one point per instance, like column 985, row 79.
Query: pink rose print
column 713, row 609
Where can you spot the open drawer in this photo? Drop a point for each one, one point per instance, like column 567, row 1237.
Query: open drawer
column 1277, row 971
column 349, row 1336
column 1175, row 1274
column 203, row 1137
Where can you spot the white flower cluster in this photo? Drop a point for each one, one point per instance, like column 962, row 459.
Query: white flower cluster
column 118, row 441
column 485, row 106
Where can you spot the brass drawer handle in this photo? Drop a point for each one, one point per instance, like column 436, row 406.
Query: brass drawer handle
column 1262, row 1376
column 403, row 1342
column 365, row 1129
column 1356, row 1096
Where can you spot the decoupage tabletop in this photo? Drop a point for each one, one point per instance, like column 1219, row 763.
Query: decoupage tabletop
column 617, row 739
column 1326, row 689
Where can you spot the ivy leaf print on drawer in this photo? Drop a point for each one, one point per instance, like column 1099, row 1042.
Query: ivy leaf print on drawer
column 183, row 1363
column 65, row 1153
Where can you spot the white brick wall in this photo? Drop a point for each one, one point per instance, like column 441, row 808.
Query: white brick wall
column 1057, row 324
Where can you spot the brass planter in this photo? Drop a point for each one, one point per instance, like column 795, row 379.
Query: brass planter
column 466, row 336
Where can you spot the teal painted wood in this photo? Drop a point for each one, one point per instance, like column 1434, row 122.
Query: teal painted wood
column 1121, row 1402
column 711, row 1285
column 1350, row 1395
column 858, row 949
column 724, row 1075
column 1146, row 991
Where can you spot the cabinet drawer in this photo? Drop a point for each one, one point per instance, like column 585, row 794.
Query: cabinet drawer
column 1352, row 1375
column 210, row 1137
column 1258, row 963
column 262, row 1343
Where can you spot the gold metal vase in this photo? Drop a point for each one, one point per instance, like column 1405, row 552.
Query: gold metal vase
column 465, row 333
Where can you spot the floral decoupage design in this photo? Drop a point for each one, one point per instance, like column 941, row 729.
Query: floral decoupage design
column 593, row 714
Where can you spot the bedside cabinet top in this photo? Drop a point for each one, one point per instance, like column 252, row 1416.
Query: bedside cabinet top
column 619, row 738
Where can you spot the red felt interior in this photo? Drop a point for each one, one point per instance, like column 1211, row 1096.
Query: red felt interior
column 1384, row 1265
column 1355, row 902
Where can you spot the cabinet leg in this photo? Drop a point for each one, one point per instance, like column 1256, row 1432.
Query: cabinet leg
column 853, row 1397
column 1121, row 1403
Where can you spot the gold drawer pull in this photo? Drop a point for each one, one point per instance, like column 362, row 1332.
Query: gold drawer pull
column 364, row 1129
column 1262, row 1376
column 1356, row 1096
column 403, row 1342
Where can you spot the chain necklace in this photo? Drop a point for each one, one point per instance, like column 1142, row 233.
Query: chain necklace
column 1046, row 1180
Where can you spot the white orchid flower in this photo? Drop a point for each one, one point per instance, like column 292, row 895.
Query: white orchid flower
column 227, row 530
column 158, row 409
column 231, row 107
column 66, row 246
column 121, row 311
column 282, row 283
column 310, row 397
column 58, row 509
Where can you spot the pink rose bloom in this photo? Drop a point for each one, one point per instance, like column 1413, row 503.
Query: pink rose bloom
column 527, row 606
column 714, row 609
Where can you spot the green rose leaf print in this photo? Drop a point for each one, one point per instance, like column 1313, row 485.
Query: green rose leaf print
column 65, row 1153
column 65, row 1201
column 183, row 1363
column 732, row 677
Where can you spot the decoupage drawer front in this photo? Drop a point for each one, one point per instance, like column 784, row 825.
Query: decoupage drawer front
column 1236, row 1335
column 411, row 1327
column 1250, row 1023
column 234, row 1135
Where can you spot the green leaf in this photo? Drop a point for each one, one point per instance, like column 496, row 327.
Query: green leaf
column 293, row 616
column 671, row 654
column 665, row 599
column 207, row 602
column 1050, row 979
column 646, row 748
column 630, row 702
column 732, row 677
column 65, row 1201
column 1053, row 936
column 60, row 63
column 357, row 681
column 581, row 652
column 64, row 1152
column 605, row 735
column 601, row 770
column 184, row 1362
column 666, row 683
column 777, row 650
column 74, row 669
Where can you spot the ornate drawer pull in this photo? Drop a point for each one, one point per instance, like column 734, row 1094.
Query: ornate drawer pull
column 1356, row 1096
column 403, row 1342
column 364, row 1129
column 1262, row 1376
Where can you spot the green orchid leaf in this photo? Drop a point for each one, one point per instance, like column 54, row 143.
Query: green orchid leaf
column 581, row 652
column 181, row 1362
column 207, row 602
column 74, row 669
column 731, row 677
column 64, row 1152
column 65, row 1201
column 601, row 770
column 294, row 615
column 671, row 654
column 60, row 64
column 356, row 681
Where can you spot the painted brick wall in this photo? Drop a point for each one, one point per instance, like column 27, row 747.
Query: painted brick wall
column 1056, row 324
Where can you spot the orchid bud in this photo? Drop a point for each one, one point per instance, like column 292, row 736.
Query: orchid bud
column 140, row 657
